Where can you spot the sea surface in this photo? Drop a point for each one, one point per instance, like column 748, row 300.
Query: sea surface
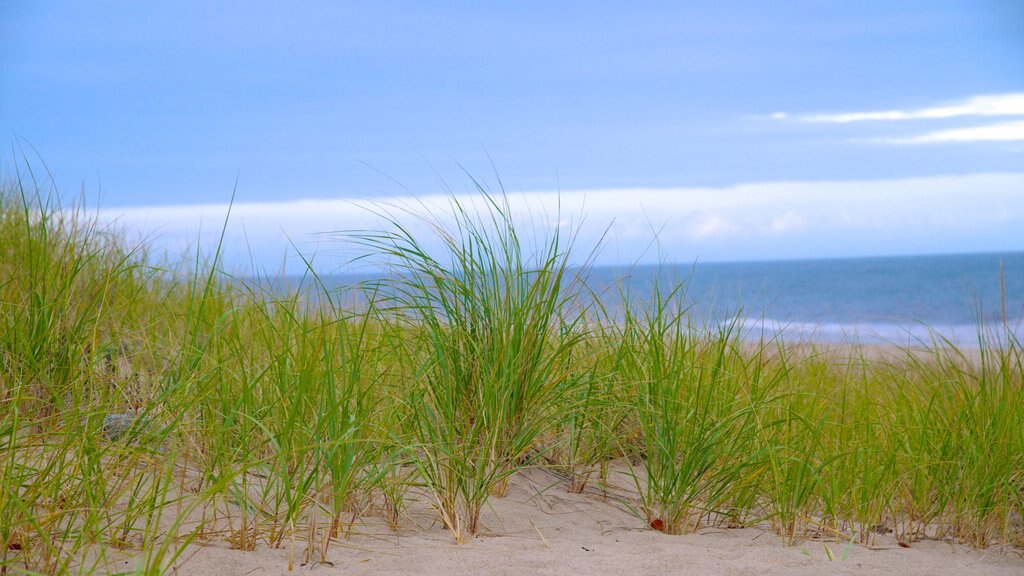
column 906, row 300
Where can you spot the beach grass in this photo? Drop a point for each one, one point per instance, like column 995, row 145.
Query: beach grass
column 146, row 407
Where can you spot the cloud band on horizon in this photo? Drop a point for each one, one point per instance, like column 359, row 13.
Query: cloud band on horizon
column 754, row 221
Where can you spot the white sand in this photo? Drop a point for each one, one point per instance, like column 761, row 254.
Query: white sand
column 540, row 528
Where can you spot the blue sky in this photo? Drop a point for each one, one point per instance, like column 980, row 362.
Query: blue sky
column 738, row 129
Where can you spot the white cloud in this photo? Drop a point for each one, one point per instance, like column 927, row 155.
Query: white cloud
column 999, row 132
column 747, row 221
column 787, row 222
column 711, row 225
column 988, row 105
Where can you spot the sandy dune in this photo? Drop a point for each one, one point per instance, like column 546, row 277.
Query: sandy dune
column 540, row 528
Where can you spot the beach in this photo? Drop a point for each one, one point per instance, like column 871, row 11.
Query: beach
column 541, row 528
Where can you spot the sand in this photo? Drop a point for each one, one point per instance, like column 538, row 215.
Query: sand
column 540, row 528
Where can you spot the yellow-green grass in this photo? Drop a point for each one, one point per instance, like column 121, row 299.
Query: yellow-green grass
column 146, row 407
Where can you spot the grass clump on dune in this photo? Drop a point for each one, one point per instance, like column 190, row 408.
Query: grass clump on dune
column 694, row 410
column 492, row 329
column 143, row 408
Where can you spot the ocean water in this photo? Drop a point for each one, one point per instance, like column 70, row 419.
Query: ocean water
column 906, row 300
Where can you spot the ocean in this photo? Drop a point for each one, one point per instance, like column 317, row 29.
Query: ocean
column 907, row 300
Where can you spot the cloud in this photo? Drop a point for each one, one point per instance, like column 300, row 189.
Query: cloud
column 974, row 212
column 787, row 222
column 999, row 132
column 711, row 225
column 1011, row 104
column 993, row 105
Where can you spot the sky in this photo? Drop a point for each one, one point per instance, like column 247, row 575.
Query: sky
column 682, row 131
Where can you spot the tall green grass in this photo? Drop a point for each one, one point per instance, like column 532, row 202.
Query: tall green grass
column 693, row 408
column 492, row 328
column 145, row 407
